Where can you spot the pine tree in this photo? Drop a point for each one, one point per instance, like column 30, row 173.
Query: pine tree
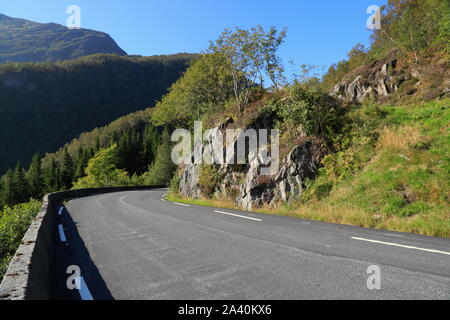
column 97, row 144
column 130, row 153
column 8, row 196
column 80, row 163
column 51, row 177
column 20, row 186
column 123, row 150
column 35, row 178
column 161, row 171
column 136, row 154
column 67, row 171
column 150, row 144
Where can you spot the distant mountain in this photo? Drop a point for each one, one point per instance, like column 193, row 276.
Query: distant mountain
column 45, row 105
column 24, row 41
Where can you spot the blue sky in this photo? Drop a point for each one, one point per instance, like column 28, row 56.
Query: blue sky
column 320, row 32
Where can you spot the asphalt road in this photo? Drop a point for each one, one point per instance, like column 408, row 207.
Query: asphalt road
column 135, row 245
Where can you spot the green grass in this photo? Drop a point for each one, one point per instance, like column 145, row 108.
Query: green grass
column 404, row 180
column 14, row 222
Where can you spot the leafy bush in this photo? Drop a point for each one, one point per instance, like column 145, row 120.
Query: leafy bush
column 205, row 85
column 307, row 106
column 14, row 222
column 102, row 171
column 174, row 184
column 208, row 180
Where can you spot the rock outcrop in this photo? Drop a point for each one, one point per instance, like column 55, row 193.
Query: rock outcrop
column 302, row 163
column 248, row 186
column 395, row 79
column 379, row 82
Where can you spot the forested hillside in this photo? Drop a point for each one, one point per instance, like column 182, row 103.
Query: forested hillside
column 25, row 41
column 45, row 105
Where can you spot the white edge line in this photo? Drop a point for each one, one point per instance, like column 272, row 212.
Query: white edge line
column 401, row 245
column 181, row 204
column 84, row 290
column 164, row 200
column 394, row 235
column 237, row 215
column 62, row 235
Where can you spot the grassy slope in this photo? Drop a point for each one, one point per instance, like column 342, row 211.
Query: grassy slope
column 397, row 181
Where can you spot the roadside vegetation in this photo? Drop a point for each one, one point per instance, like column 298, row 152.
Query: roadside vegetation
column 388, row 164
column 14, row 222
column 391, row 171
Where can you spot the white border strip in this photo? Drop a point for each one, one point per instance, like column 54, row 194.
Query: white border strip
column 236, row 215
column 401, row 245
column 84, row 290
column 181, row 204
column 62, row 235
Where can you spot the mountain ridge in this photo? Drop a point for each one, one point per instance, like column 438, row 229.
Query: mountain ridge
column 23, row 40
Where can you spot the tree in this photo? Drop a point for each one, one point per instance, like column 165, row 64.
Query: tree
column 35, row 178
column 205, row 85
column 67, row 170
column 161, row 171
column 252, row 55
column 20, row 186
column 102, row 171
column 82, row 158
column 8, row 196
column 150, row 143
column 130, row 153
column 413, row 26
column 51, row 177
column 270, row 43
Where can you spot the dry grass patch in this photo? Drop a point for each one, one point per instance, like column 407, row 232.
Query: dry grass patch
column 403, row 138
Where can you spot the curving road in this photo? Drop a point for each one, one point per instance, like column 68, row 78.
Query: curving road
column 136, row 245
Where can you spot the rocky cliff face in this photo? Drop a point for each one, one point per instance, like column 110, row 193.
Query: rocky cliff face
column 381, row 81
column 245, row 183
column 302, row 163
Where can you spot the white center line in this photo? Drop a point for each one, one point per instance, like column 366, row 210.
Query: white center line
column 84, row 290
column 236, row 215
column 62, row 235
column 181, row 204
column 401, row 245
column 60, row 211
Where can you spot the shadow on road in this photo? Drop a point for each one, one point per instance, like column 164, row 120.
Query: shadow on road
column 74, row 253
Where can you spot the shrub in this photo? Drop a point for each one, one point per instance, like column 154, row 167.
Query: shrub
column 307, row 106
column 208, row 180
column 174, row 184
column 14, row 222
